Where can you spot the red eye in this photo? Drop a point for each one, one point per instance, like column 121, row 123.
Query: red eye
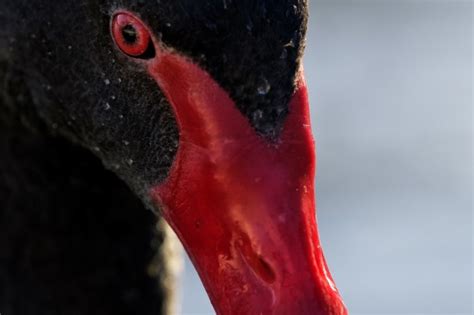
column 130, row 35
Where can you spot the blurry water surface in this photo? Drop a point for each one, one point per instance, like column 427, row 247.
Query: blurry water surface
column 391, row 94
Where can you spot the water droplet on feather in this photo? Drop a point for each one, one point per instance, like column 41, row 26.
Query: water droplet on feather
column 291, row 43
column 249, row 26
column 264, row 87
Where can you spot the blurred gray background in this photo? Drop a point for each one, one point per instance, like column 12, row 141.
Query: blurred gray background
column 391, row 93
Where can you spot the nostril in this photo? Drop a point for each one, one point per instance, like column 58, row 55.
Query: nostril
column 264, row 270
column 257, row 263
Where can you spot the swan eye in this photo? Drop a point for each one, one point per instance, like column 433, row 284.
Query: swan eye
column 131, row 36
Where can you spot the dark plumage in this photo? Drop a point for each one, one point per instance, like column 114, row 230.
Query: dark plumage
column 75, row 113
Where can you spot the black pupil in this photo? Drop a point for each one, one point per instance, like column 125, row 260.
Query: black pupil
column 129, row 33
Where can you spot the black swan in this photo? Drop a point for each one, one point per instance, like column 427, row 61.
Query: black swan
column 196, row 110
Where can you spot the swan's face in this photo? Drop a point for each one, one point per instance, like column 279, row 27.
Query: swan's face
column 201, row 107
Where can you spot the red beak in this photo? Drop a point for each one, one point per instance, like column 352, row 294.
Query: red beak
column 243, row 207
